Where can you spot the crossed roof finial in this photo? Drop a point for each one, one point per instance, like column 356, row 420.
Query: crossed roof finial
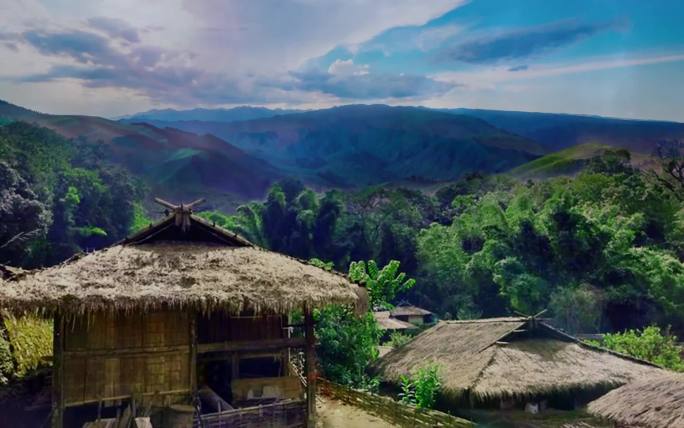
column 182, row 212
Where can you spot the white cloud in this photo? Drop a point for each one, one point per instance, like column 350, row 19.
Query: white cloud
column 347, row 68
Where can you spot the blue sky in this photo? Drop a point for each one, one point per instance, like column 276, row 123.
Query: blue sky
column 615, row 58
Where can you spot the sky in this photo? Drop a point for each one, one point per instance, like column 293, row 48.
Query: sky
column 621, row 58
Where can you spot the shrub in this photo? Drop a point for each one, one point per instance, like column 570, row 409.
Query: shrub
column 649, row 344
column 397, row 339
column 421, row 388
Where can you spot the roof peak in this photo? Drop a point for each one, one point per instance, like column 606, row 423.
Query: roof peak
column 181, row 224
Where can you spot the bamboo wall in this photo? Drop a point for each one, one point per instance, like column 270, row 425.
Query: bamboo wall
column 116, row 355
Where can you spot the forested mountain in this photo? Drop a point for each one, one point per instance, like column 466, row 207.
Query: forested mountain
column 173, row 163
column 359, row 145
column 554, row 132
column 162, row 117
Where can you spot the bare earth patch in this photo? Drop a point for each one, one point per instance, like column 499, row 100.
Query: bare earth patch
column 335, row 414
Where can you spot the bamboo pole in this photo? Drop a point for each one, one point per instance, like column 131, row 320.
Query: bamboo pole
column 58, row 372
column 310, row 368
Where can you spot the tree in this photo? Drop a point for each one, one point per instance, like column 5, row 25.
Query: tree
column 23, row 216
column 670, row 156
column 347, row 344
column 383, row 284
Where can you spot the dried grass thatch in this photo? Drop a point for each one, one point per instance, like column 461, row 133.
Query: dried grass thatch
column 651, row 402
column 509, row 358
column 208, row 268
column 385, row 322
column 409, row 310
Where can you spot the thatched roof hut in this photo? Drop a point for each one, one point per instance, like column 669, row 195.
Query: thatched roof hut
column 651, row 402
column 210, row 268
column 497, row 359
column 387, row 323
column 179, row 313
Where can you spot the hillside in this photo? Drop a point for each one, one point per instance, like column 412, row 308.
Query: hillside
column 173, row 163
column 358, row 145
column 234, row 114
column 555, row 132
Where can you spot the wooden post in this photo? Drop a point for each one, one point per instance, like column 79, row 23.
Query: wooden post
column 193, row 353
column 310, row 369
column 58, row 372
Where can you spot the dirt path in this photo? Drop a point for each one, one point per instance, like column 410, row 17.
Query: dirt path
column 335, row 414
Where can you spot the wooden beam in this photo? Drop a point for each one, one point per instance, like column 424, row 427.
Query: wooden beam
column 310, row 367
column 251, row 345
column 128, row 397
column 125, row 352
column 58, row 371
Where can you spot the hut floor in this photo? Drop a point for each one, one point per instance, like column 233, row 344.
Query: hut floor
column 549, row 418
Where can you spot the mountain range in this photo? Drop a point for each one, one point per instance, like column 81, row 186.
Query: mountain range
column 233, row 155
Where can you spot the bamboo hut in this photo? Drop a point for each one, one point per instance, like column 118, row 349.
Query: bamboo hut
column 183, row 318
column 511, row 362
column 412, row 314
column 388, row 324
column 651, row 402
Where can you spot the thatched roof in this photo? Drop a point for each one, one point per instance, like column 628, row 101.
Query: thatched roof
column 651, row 402
column 186, row 263
column 509, row 358
column 409, row 310
column 385, row 322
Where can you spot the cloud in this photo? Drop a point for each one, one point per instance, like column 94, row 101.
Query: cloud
column 349, row 81
column 116, row 28
column 518, row 68
column 520, row 43
column 347, row 68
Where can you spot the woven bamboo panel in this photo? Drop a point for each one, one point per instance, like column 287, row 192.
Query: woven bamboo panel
column 115, row 355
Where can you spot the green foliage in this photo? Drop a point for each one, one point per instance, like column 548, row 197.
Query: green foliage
column 398, row 339
column 31, row 339
column 530, row 246
column 421, row 389
column 648, row 344
column 140, row 219
column 577, row 310
column 68, row 199
column 383, row 284
column 321, row 264
column 347, row 343
column 6, row 361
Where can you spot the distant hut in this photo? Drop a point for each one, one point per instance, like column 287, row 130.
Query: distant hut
column 651, row 402
column 389, row 325
column 183, row 312
column 412, row 314
column 511, row 362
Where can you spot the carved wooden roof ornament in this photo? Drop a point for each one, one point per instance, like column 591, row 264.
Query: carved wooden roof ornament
column 181, row 212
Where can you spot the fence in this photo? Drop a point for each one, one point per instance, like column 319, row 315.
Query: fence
column 390, row 410
column 291, row 413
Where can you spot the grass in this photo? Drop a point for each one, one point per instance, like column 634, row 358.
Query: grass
column 31, row 343
column 567, row 161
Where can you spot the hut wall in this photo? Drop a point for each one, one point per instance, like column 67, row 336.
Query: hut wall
column 221, row 327
column 110, row 356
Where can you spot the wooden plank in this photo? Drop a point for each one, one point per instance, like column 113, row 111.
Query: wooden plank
column 251, row 345
column 125, row 352
column 58, row 372
column 310, row 369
